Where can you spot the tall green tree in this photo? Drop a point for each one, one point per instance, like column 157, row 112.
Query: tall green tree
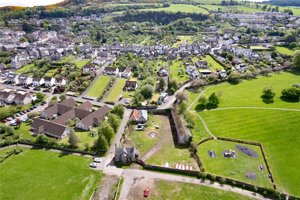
column 296, row 59
column 114, row 121
column 106, row 130
column 73, row 140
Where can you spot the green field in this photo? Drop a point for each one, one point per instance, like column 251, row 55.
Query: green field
column 180, row 8
column 295, row 10
column 231, row 8
column 177, row 71
column 26, row 68
column 98, row 87
column 39, row 174
column 277, row 129
column 249, row 92
column 182, row 39
column 284, row 51
column 116, row 90
column 214, row 65
column 235, row 168
column 259, row 48
column 178, row 191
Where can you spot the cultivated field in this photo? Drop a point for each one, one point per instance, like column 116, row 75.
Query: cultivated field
column 98, row 87
column 36, row 174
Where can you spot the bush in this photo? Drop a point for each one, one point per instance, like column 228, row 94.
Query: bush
column 291, row 94
column 234, row 77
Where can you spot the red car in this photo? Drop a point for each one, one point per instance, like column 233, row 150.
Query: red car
column 4, row 120
column 146, row 192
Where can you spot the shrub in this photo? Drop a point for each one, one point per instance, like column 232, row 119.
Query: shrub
column 234, row 77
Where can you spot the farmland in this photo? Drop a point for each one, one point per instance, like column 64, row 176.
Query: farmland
column 44, row 171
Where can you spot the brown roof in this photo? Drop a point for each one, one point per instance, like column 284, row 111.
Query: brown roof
column 86, row 106
column 44, row 126
column 96, row 117
column 20, row 97
column 61, row 107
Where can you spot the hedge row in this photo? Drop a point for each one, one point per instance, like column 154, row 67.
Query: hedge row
column 107, row 87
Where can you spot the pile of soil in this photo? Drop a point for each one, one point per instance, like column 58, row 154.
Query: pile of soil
column 246, row 150
column 251, row 175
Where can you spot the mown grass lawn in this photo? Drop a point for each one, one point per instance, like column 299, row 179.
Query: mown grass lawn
column 214, row 65
column 284, row 50
column 248, row 93
column 183, row 39
column 26, row 68
column 178, row 191
column 235, row 168
column 180, row 8
column 116, row 91
column 277, row 130
column 98, row 88
column 39, row 174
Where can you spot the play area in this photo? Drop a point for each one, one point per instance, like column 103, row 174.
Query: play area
column 242, row 162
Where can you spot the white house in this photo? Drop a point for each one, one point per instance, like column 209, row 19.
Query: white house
column 13, row 78
column 61, row 81
column 111, row 71
column 25, row 80
column 49, row 81
column 37, row 82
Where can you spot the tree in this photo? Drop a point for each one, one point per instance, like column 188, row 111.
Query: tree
column 106, row 130
column 172, row 86
column 182, row 96
column 118, row 110
column 40, row 96
column 296, row 59
column 161, row 84
column 101, row 143
column 73, row 140
column 290, row 38
column 9, row 131
column 234, row 77
column 268, row 95
column 147, row 91
column 62, row 97
column 42, row 139
column 213, row 101
column 182, row 107
column 114, row 121
column 201, row 103
column 291, row 94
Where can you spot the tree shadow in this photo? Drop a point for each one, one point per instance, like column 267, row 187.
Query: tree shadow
column 290, row 100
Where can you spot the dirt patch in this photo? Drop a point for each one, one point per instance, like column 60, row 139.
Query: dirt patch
column 152, row 134
column 138, row 186
column 250, row 175
column 246, row 150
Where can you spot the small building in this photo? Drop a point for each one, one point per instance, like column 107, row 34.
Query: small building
column 162, row 72
column 139, row 116
column 111, row 71
column 37, row 82
column 125, row 155
column 130, row 86
column 49, row 81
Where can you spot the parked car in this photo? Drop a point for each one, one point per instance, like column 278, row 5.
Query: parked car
column 146, row 192
column 25, row 119
column 94, row 165
column 18, row 115
column 97, row 160
column 9, row 119
column 140, row 127
column 4, row 120
column 127, row 101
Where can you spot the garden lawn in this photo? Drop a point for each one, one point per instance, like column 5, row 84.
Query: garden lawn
column 40, row 174
column 97, row 89
column 248, row 93
column 177, row 71
column 235, row 168
column 213, row 65
column 116, row 90
column 180, row 8
column 24, row 131
column 80, row 62
column 277, row 130
column 183, row 39
column 178, row 191
column 284, row 50
column 26, row 68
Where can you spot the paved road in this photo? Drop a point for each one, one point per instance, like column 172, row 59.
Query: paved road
column 172, row 99
column 131, row 174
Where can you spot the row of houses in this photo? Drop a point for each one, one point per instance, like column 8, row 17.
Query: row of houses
column 54, row 119
column 20, row 79
column 8, row 96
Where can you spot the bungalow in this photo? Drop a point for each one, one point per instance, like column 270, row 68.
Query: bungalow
column 130, row 86
column 139, row 116
column 51, row 129
column 22, row 99
column 25, row 80
column 37, row 82
column 111, row 71
column 49, row 81
column 162, row 72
